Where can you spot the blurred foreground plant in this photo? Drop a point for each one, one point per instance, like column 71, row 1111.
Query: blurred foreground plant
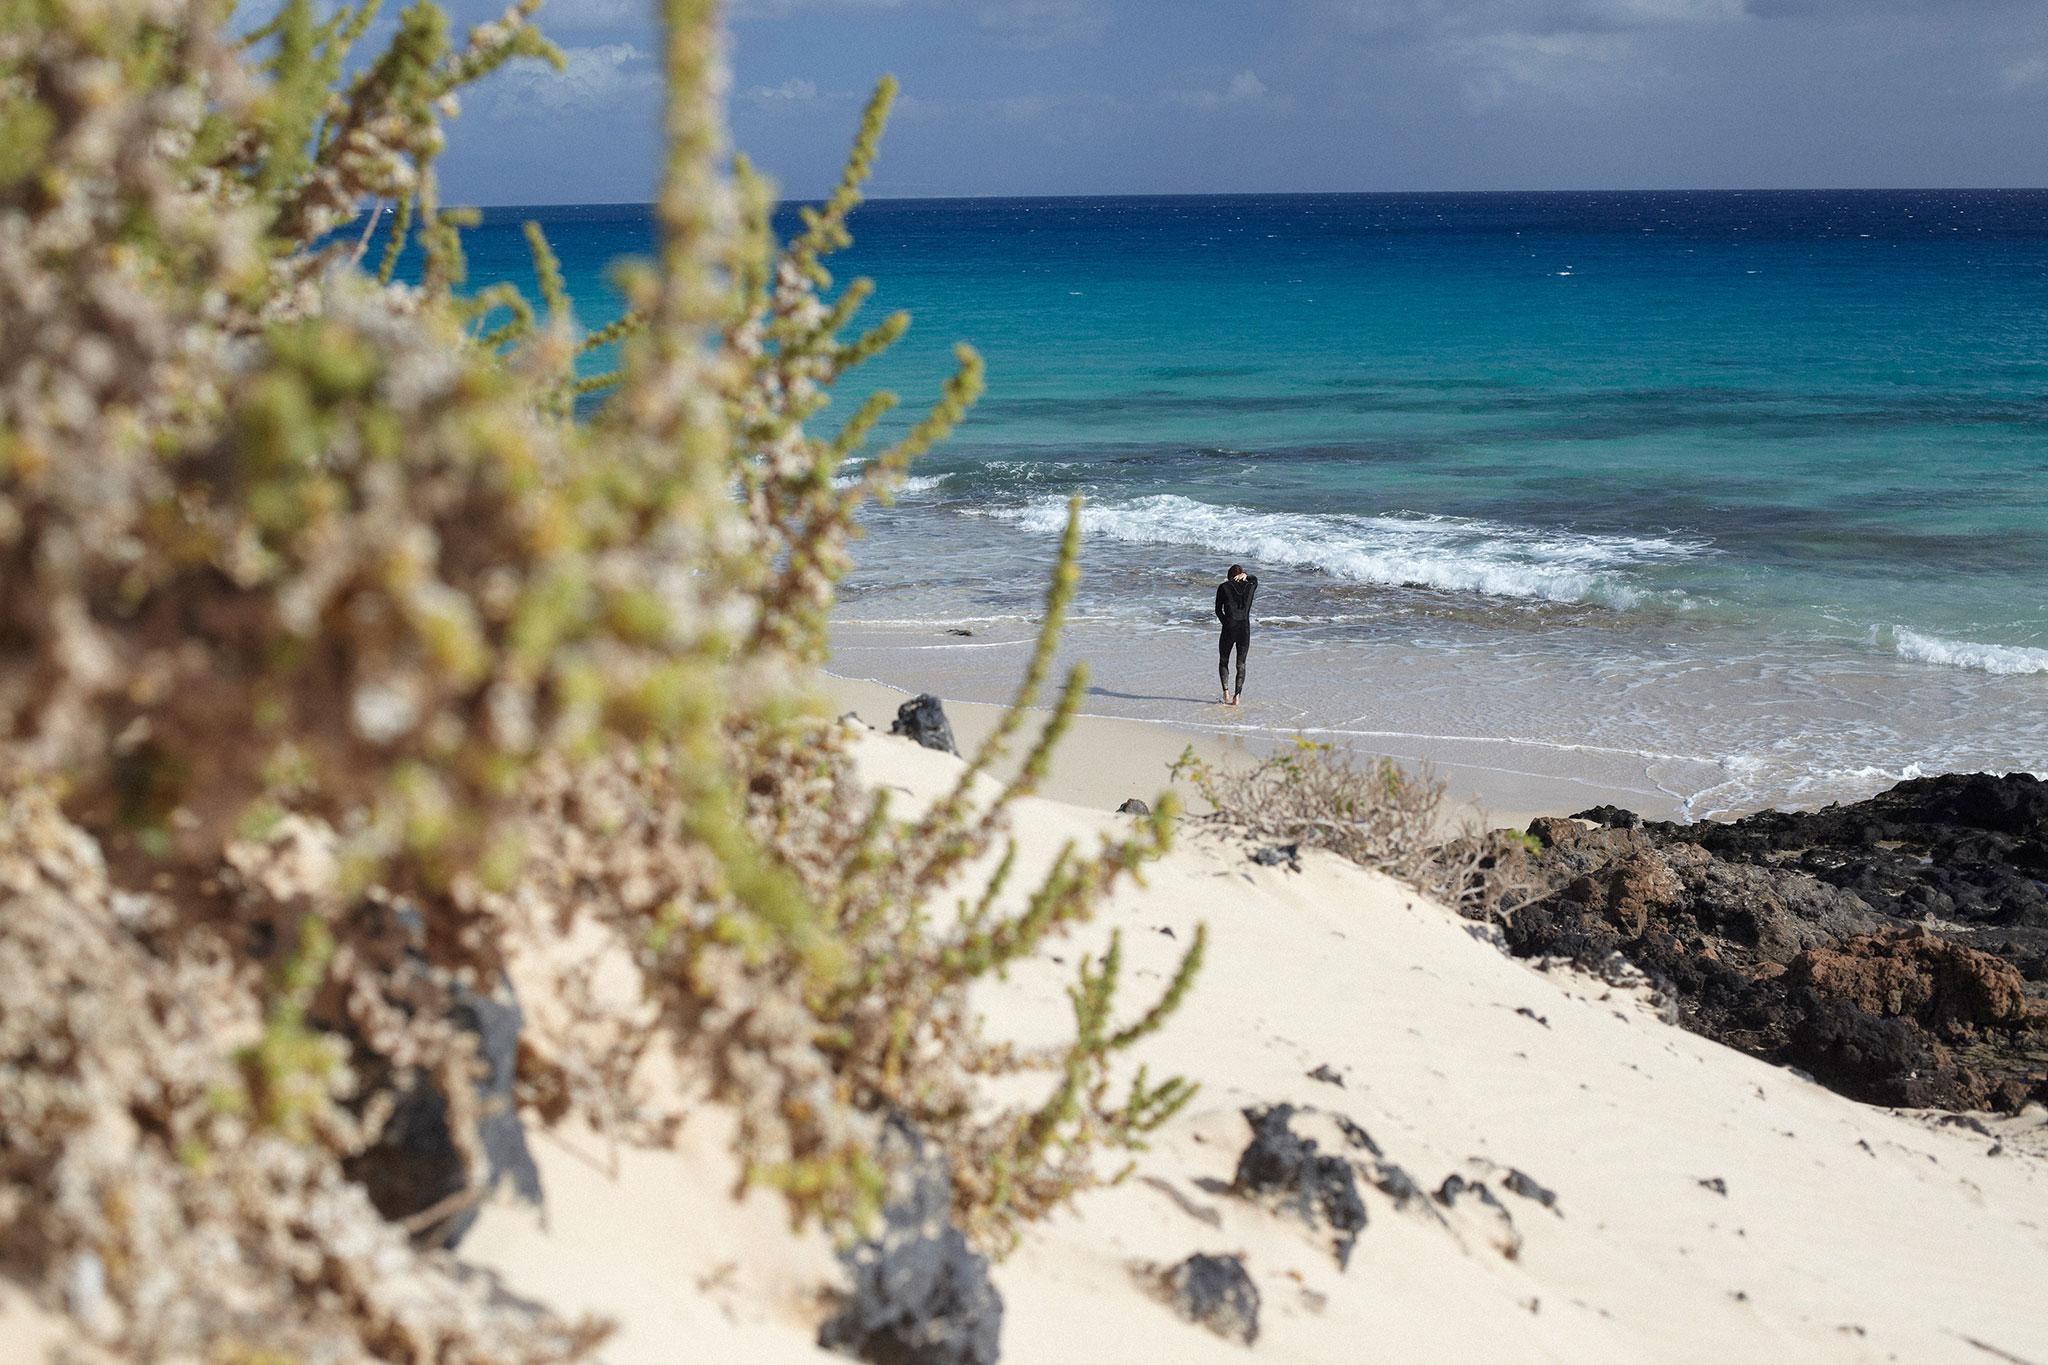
column 336, row 652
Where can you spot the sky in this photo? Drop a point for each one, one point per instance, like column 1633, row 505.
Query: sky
column 1030, row 97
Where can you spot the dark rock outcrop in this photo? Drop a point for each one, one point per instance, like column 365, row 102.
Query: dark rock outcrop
column 1216, row 1292
column 920, row 1295
column 1291, row 1172
column 1895, row 948
column 923, row 718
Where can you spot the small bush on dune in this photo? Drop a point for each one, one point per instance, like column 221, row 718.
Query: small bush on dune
column 1365, row 810
column 1369, row 811
column 332, row 649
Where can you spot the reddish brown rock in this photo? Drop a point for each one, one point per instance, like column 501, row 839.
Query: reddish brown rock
column 1628, row 889
column 1911, row 974
column 1552, row 830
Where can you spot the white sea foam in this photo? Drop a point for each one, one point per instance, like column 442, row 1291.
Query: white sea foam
column 1060, row 472
column 1932, row 649
column 1449, row 553
column 912, row 483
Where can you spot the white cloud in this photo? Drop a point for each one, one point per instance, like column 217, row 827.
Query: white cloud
column 590, row 78
column 2022, row 74
column 795, row 90
column 1501, row 51
column 1243, row 88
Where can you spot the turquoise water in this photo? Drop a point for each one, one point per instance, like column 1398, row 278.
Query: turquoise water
column 1746, row 492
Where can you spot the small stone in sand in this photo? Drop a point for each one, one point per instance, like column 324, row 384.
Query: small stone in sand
column 1216, row 1292
column 1279, row 855
column 1459, row 1195
column 1290, row 1172
column 1520, row 1182
column 923, row 718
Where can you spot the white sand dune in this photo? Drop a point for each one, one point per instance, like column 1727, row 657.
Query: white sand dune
column 1844, row 1233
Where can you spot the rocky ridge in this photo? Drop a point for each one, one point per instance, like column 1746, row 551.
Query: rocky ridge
column 1896, row 948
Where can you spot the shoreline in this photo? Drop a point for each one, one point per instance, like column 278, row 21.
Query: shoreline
column 1127, row 756
column 1104, row 759
column 1100, row 762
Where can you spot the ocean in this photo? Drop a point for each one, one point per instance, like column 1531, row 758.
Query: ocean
column 1706, row 501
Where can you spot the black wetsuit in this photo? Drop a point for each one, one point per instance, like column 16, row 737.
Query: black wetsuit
column 1234, row 610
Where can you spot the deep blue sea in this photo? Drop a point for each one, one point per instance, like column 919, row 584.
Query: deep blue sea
column 1714, row 498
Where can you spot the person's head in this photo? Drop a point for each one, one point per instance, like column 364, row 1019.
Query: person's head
column 1236, row 572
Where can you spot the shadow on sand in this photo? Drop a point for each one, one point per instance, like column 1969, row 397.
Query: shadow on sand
column 1141, row 696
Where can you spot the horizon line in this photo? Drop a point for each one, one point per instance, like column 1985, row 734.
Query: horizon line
column 1313, row 194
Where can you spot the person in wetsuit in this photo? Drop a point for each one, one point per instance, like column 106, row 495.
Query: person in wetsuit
column 1234, row 610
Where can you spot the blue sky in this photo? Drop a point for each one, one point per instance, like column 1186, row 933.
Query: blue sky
column 1202, row 96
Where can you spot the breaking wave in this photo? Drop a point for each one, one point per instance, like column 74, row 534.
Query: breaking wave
column 1452, row 554
column 912, row 483
column 1932, row 649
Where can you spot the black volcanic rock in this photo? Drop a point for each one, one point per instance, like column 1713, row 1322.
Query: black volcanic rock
column 1894, row 948
column 1279, row 855
column 923, row 718
column 1216, row 1292
column 1470, row 1202
column 920, row 1294
column 1522, row 1183
column 415, row 1168
column 1293, row 1173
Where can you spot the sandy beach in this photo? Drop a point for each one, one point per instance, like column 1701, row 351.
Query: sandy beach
column 1682, row 1201
column 1108, row 758
column 1649, row 1193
